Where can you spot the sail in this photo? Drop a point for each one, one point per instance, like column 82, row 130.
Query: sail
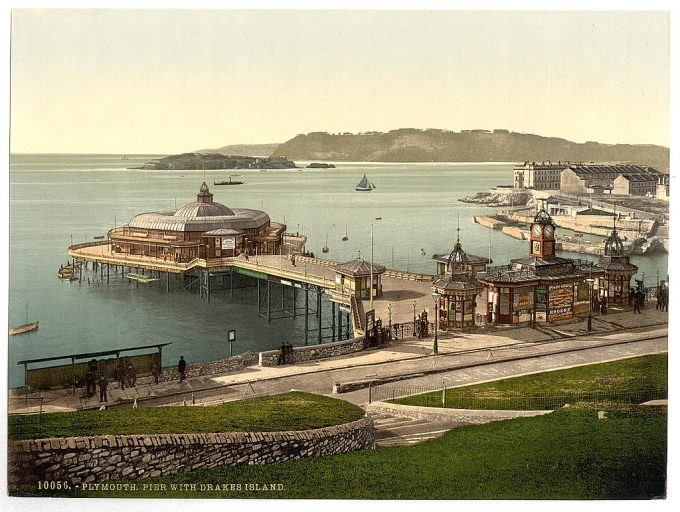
column 364, row 183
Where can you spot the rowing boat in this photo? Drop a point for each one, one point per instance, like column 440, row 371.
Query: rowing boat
column 23, row 328
column 141, row 278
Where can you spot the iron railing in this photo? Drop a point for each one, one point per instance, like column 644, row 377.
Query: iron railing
column 429, row 396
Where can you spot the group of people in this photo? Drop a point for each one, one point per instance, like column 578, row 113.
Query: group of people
column 662, row 299
column 286, row 353
column 600, row 304
column 92, row 381
column 125, row 376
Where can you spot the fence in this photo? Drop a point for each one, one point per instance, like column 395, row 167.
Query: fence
column 33, row 415
column 507, row 400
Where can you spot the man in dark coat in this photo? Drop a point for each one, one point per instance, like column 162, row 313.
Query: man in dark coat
column 636, row 303
column 182, row 368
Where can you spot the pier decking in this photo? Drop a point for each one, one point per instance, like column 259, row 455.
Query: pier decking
column 403, row 295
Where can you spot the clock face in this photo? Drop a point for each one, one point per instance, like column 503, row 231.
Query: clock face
column 548, row 231
column 536, row 230
column 536, row 248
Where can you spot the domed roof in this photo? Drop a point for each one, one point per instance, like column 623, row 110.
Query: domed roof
column 197, row 209
column 543, row 217
column 613, row 246
column 458, row 259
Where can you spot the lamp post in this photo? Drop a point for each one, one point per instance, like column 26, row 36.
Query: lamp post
column 590, row 312
column 435, row 345
column 370, row 286
column 389, row 317
column 414, row 318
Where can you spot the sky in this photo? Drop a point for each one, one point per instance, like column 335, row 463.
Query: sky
column 152, row 81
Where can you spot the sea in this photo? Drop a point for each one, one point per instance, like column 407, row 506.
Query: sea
column 62, row 199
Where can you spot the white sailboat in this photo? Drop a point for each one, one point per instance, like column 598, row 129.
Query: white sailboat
column 364, row 185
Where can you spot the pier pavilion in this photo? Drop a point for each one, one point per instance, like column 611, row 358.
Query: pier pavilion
column 201, row 229
column 457, row 289
column 541, row 287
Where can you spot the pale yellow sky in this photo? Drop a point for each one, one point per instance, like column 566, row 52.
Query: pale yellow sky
column 170, row 81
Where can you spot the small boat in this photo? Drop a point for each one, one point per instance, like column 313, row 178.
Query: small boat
column 27, row 327
column 364, row 185
column 230, row 182
column 100, row 237
column 422, row 251
column 23, row 328
column 345, row 238
column 141, row 278
column 325, row 247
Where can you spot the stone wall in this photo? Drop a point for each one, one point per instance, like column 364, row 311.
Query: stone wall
column 301, row 354
column 221, row 366
column 80, row 460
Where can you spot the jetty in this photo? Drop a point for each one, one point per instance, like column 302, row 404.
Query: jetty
column 293, row 280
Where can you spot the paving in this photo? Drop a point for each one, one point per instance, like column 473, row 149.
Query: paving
column 464, row 358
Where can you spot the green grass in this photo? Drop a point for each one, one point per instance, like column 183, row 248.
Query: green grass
column 568, row 454
column 289, row 411
column 631, row 380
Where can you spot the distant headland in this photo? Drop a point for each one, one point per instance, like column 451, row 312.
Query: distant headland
column 217, row 161
column 415, row 145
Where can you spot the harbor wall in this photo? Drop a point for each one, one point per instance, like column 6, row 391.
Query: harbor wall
column 93, row 459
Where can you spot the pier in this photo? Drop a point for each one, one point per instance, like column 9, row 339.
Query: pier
column 404, row 295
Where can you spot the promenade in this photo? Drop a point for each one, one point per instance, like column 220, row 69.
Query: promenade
column 517, row 350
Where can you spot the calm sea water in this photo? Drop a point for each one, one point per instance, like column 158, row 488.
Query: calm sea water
column 58, row 198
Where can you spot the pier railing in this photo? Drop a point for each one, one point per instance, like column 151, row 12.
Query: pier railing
column 89, row 244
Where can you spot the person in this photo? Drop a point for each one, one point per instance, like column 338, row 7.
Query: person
column 182, row 368
column 90, row 383
column 641, row 297
column 120, row 376
column 292, row 259
column 659, row 299
column 603, row 306
column 156, row 372
column 131, row 376
column 636, row 303
column 103, row 384
column 289, row 353
column 664, row 300
column 282, row 354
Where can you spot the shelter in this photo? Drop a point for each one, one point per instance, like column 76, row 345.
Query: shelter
column 354, row 277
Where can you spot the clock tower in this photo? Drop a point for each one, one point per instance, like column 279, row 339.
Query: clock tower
column 542, row 236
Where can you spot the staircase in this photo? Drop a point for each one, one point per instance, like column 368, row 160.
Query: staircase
column 358, row 316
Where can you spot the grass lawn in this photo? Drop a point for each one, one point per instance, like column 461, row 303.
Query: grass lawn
column 568, row 454
column 632, row 380
column 289, row 411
